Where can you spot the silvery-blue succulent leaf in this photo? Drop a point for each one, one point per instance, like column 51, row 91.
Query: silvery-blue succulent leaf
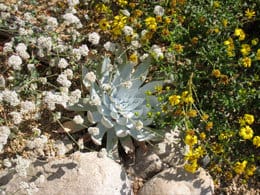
column 111, row 145
column 127, row 144
column 149, row 87
column 106, row 122
column 103, row 110
column 114, row 115
column 122, row 121
column 94, row 117
column 134, row 103
column 142, row 69
column 105, row 72
column 97, row 139
column 152, row 100
column 141, row 135
column 82, row 105
column 123, row 92
column 121, row 131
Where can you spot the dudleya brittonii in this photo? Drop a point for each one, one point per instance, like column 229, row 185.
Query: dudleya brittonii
column 118, row 103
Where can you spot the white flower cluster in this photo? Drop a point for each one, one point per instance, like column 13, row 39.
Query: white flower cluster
column 10, row 96
column 21, row 165
column 53, row 98
column 156, row 52
column 4, row 134
column 128, row 30
column 17, row 117
column 15, row 62
column 73, row 3
column 8, row 47
column 38, row 144
column 52, row 23
column 63, row 80
column 93, row 131
column 63, row 63
column 83, row 49
column 74, row 97
column 94, row 38
column 71, row 19
column 78, row 119
column 44, row 44
column 21, row 51
column 158, row 10
column 27, row 107
column 109, row 46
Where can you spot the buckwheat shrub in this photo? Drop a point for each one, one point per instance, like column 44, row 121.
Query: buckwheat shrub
column 94, row 38
column 21, row 50
column 44, row 44
column 78, row 119
column 71, row 19
column 63, row 80
column 109, row 46
column 156, row 52
column 63, row 63
column 17, row 117
column 4, row 134
column 158, row 10
column 52, row 23
column 73, row 3
column 27, row 107
column 11, row 97
column 76, row 54
column 74, row 97
column 83, row 49
column 15, row 62
column 8, row 47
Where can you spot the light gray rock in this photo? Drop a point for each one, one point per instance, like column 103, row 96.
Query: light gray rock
column 176, row 181
column 81, row 174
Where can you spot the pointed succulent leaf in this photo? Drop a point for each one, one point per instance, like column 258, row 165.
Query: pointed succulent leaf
column 106, row 122
column 94, row 117
column 111, row 145
column 150, row 87
column 142, row 69
column 82, row 105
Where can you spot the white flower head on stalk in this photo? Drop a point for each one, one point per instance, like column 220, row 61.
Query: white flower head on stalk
column 93, row 131
column 15, row 62
column 94, row 38
column 78, row 119
column 128, row 30
column 109, row 46
column 21, row 50
column 4, row 134
column 158, row 10
column 63, row 63
column 72, row 19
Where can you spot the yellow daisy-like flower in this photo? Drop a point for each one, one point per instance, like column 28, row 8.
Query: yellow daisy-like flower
column 240, row 33
column 254, row 41
column 246, row 62
column 239, row 167
column 256, row 141
column 245, row 49
column 174, row 99
column 258, row 54
column 192, row 113
column 151, row 24
column 250, row 170
column 249, row 119
column 104, row 24
column 202, row 136
column 246, row 132
column 216, row 73
column 190, row 140
column 191, row 167
column 209, row 126
column 249, row 13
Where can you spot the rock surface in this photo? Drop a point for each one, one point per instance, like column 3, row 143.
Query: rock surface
column 176, row 181
column 82, row 173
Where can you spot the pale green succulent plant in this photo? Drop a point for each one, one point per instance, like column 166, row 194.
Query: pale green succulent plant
column 118, row 104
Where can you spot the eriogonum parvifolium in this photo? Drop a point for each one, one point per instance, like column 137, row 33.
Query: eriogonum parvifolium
column 119, row 103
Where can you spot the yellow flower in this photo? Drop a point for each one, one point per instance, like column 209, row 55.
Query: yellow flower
column 199, row 152
column 216, row 4
column 104, row 24
column 192, row 113
column 216, row 73
column 239, row 168
column 174, row 99
column 178, row 48
column 194, row 40
column 217, row 148
column 254, row 41
column 167, row 20
column 250, row 170
column 134, row 58
column 240, row 33
column 190, row 139
column 258, row 54
column 191, row 167
column 151, row 24
column 205, row 117
column 249, row 118
column 225, row 22
column 202, row 136
column 241, row 121
column 245, row 49
column 122, row 2
column 246, row 132
column 246, row 62
column 249, row 13
column 209, row 126
column 256, row 141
